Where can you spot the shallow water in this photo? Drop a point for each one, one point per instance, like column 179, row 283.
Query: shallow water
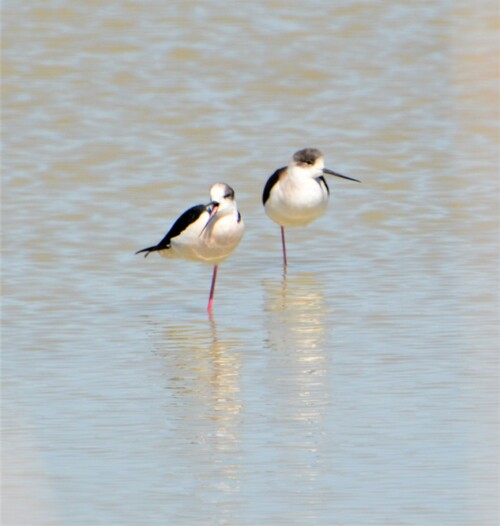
column 359, row 388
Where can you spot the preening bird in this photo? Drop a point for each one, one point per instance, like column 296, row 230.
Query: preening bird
column 297, row 194
column 207, row 233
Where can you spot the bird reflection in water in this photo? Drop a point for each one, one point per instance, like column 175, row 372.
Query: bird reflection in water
column 202, row 372
column 298, row 328
column 298, row 315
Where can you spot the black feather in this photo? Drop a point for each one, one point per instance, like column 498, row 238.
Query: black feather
column 270, row 183
column 307, row 156
column 184, row 220
column 320, row 180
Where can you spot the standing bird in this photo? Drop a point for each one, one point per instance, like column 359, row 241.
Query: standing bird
column 297, row 194
column 207, row 233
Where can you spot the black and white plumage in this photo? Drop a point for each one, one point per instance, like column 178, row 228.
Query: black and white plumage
column 297, row 194
column 207, row 233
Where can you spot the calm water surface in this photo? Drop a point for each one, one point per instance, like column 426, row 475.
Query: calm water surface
column 359, row 389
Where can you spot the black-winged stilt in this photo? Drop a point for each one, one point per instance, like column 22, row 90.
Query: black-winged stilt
column 207, row 233
column 297, row 194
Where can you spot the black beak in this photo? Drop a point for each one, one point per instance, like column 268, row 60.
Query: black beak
column 329, row 172
column 215, row 206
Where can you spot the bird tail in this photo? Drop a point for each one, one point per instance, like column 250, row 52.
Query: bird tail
column 149, row 250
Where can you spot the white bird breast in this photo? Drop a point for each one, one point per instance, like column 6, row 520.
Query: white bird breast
column 211, row 244
column 297, row 205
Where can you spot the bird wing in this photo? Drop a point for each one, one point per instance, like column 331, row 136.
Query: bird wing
column 183, row 222
column 320, row 180
column 270, row 183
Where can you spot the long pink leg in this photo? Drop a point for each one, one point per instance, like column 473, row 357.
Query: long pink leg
column 283, row 245
column 212, row 289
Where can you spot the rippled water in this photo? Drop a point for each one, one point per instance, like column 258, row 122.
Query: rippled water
column 359, row 389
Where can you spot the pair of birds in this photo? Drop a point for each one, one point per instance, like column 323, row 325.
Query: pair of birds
column 294, row 195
